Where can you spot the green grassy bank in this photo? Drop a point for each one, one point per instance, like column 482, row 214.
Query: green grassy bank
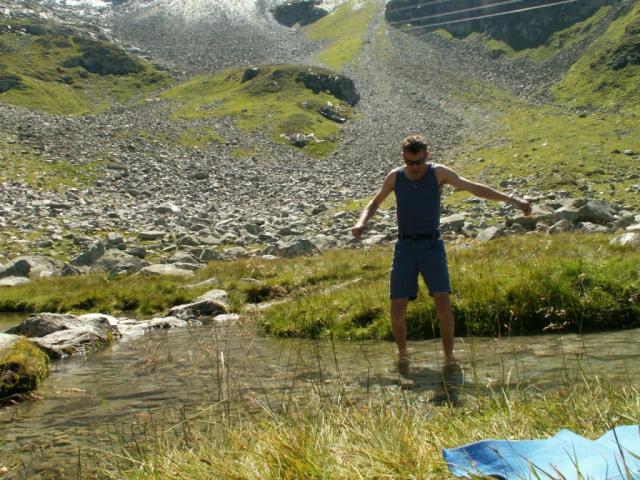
column 386, row 436
column 513, row 285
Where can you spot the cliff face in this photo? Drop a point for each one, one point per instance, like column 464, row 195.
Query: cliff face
column 526, row 29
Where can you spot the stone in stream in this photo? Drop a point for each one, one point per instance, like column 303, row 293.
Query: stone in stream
column 207, row 305
column 43, row 324
column 76, row 341
column 22, row 366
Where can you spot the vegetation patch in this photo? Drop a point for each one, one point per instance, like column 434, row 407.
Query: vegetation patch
column 509, row 286
column 331, row 433
column 608, row 74
column 49, row 67
column 274, row 100
column 529, row 284
column 344, row 30
column 558, row 42
column 552, row 148
column 22, row 368
column 21, row 164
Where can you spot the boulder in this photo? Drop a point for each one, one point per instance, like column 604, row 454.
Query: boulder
column 13, row 281
column 319, row 80
column 22, row 366
column 165, row 269
column 293, row 247
column 303, row 12
column 198, row 309
column 43, row 324
column 164, row 323
column 596, row 211
column 151, row 235
column 76, row 341
column 89, row 257
column 490, row 233
column 226, row 318
column 452, row 223
column 42, row 266
column 627, row 239
column 563, row 225
column 569, row 214
column 215, row 295
column 17, row 268
column 116, row 262
column 167, row 207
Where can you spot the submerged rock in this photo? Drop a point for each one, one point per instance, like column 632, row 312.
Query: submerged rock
column 303, row 12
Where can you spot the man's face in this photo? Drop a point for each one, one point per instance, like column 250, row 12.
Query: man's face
column 414, row 161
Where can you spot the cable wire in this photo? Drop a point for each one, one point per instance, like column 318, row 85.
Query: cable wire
column 489, row 15
column 470, row 9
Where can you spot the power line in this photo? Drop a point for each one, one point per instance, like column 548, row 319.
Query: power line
column 490, row 15
column 470, row 9
column 410, row 7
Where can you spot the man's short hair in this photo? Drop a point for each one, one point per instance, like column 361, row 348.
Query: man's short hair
column 414, row 143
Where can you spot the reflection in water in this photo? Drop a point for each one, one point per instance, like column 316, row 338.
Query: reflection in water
column 186, row 370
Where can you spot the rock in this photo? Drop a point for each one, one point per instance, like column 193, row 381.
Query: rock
column 167, row 207
column 13, row 281
column 319, row 80
column 561, row 226
column 374, row 240
column 22, row 366
column 627, row 239
column 633, row 228
column 328, row 111
column 452, row 223
column 166, row 322
column 17, row 268
column 303, row 12
column 116, row 262
column 165, row 269
column 566, row 213
column 589, row 227
column 139, row 252
column 596, row 211
column 490, row 233
column 215, row 296
column 76, row 341
column 198, row 309
column 539, row 213
column 324, row 242
column 114, row 239
column 250, row 74
column 89, row 257
column 207, row 282
column 151, row 235
column 299, row 140
column 209, row 254
column 44, row 324
column 226, row 318
column 103, row 58
column 293, row 247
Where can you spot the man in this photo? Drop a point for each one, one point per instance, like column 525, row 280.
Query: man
column 419, row 249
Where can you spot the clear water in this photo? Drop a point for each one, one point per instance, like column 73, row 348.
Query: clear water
column 187, row 369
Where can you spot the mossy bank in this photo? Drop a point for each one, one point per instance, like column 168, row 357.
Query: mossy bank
column 23, row 367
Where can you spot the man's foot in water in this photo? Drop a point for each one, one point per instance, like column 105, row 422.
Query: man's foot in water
column 404, row 366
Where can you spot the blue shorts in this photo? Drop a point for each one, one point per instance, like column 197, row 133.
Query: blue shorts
column 413, row 257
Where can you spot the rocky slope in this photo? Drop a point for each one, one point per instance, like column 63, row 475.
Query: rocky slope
column 149, row 195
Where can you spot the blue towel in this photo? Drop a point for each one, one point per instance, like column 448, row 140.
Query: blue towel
column 614, row 456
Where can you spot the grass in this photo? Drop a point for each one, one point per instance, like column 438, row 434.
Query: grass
column 22, row 369
column 332, row 433
column 344, row 29
column 558, row 42
column 40, row 61
column 23, row 164
column 552, row 148
column 514, row 285
column 592, row 81
column 273, row 102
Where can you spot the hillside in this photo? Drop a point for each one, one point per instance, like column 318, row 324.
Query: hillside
column 247, row 164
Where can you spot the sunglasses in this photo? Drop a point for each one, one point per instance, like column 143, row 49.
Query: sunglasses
column 414, row 162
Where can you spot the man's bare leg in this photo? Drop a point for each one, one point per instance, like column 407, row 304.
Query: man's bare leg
column 447, row 325
column 399, row 324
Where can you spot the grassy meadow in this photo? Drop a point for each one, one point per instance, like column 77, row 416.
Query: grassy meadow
column 513, row 285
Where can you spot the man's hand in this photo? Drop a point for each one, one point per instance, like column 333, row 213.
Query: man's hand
column 524, row 205
column 357, row 230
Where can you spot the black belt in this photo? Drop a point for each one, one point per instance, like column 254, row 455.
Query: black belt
column 420, row 236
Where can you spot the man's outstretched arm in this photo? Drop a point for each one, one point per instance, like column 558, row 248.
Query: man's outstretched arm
column 447, row 175
column 372, row 207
